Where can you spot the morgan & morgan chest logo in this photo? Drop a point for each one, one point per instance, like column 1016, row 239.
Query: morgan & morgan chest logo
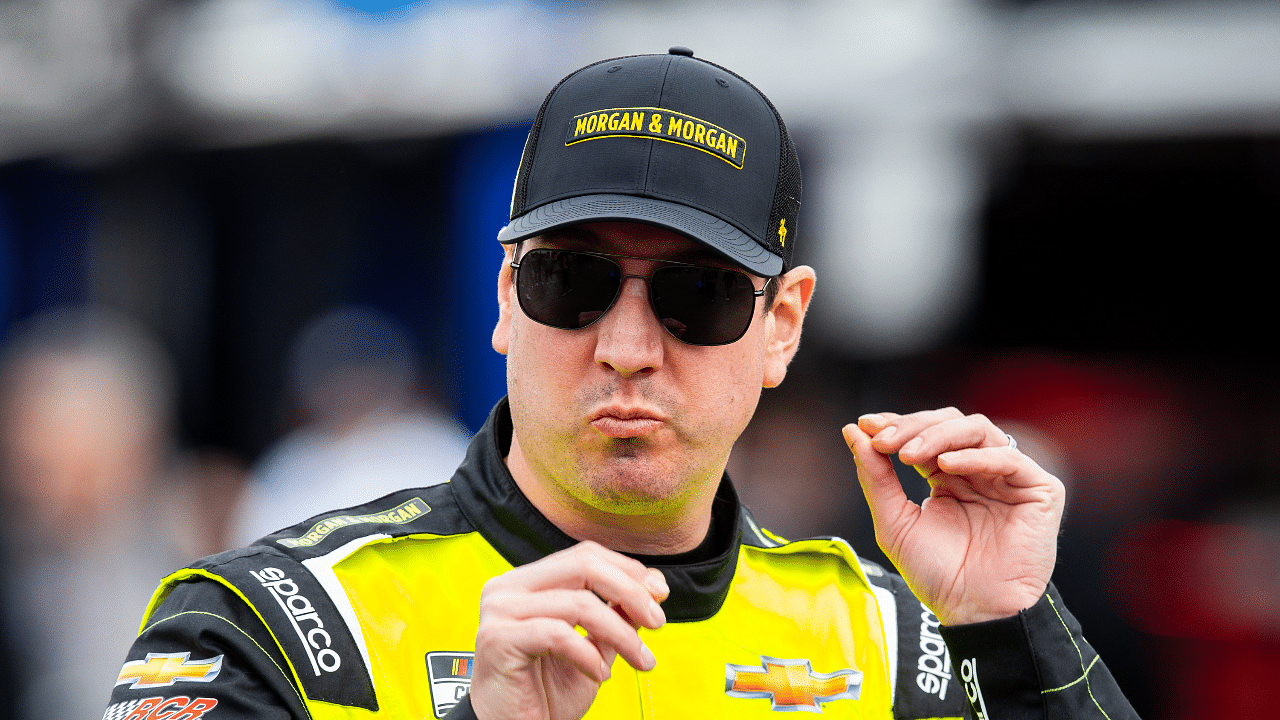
column 163, row 669
column 791, row 685
column 450, row 675
column 398, row 515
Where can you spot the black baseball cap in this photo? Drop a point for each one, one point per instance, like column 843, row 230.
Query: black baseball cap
column 670, row 140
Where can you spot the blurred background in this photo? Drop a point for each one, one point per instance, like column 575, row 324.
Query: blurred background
column 247, row 261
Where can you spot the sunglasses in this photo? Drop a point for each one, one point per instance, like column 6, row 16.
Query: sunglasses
column 698, row 305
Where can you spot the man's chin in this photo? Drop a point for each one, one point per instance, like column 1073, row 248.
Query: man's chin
column 631, row 491
column 630, row 448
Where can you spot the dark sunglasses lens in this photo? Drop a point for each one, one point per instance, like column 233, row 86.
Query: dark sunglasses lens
column 566, row 289
column 703, row 306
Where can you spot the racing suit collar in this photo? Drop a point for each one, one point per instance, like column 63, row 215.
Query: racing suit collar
column 491, row 500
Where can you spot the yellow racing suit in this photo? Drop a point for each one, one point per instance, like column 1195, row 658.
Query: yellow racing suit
column 371, row 612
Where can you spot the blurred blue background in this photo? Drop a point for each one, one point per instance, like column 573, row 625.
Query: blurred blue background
column 1052, row 212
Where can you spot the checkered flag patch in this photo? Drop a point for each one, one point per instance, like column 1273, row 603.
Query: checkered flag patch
column 120, row 710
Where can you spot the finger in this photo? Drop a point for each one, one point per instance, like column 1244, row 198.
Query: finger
column 1015, row 467
column 903, row 428
column 572, row 609
column 608, row 654
column 875, row 422
column 657, row 584
column 970, row 431
column 944, row 484
column 616, row 636
column 928, row 470
column 879, row 482
column 585, row 561
column 575, row 607
column 512, row 646
column 614, row 577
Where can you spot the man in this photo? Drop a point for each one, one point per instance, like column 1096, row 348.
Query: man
column 91, row 508
column 590, row 556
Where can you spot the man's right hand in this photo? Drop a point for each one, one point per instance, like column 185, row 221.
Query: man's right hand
column 531, row 660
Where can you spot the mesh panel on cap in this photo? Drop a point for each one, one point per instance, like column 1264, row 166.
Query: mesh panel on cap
column 786, row 197
column 520, row 196
column 786, row 193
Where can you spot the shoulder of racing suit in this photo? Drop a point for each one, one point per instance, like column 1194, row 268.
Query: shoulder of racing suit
column 279, row 603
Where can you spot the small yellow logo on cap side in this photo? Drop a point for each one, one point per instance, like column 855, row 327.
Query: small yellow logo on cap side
column 658, row 124
column 782, row 232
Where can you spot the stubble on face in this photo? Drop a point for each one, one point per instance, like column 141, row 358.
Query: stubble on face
column 587, row 475
column 661, row 473
column 648, row 474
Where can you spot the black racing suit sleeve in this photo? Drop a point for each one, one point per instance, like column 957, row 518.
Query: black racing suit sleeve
column 1035, row 664
column 208, row 621
column 925, row 686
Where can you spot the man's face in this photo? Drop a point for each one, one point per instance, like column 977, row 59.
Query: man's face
column 620, row 417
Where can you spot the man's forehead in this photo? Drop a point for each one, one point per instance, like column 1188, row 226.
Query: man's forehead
column 629, row 238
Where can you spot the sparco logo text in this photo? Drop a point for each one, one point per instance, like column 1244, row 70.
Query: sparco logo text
column 304, row 618
column 934, row 663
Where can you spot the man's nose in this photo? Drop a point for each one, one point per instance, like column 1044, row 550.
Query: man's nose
column 629, row 339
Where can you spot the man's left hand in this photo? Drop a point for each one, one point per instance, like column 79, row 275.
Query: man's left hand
column 983, row 544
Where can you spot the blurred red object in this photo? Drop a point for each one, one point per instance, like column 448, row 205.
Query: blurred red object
column 1125, row 429
column 1198, row 580
column 1212, row 591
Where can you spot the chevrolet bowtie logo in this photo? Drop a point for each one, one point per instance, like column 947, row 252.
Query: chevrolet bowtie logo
column 791, row 684
column 160, row 669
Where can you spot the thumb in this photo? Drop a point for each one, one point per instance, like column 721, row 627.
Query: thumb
column 879, row 482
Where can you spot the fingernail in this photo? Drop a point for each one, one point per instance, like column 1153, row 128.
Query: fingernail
column 655, row 612
column 887, row 433
column 605, row 671
column 873, row 418
column 911, row 447
column 657, row 584
column 647, row 659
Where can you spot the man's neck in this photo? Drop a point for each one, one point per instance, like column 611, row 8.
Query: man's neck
column 667, row 533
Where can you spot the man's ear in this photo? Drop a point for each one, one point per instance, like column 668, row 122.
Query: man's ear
column 785, row 320
column 506, row 300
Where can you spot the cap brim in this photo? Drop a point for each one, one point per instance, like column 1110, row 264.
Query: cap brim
column 704, row 227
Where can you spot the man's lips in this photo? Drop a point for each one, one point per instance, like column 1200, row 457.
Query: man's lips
column 626, row 422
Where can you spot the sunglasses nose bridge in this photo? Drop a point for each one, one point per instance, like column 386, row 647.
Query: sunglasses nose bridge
column 646, row 291
column 623, row 281
column 638, row 291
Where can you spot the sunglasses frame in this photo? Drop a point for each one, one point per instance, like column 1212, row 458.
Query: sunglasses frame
column 648, row 279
